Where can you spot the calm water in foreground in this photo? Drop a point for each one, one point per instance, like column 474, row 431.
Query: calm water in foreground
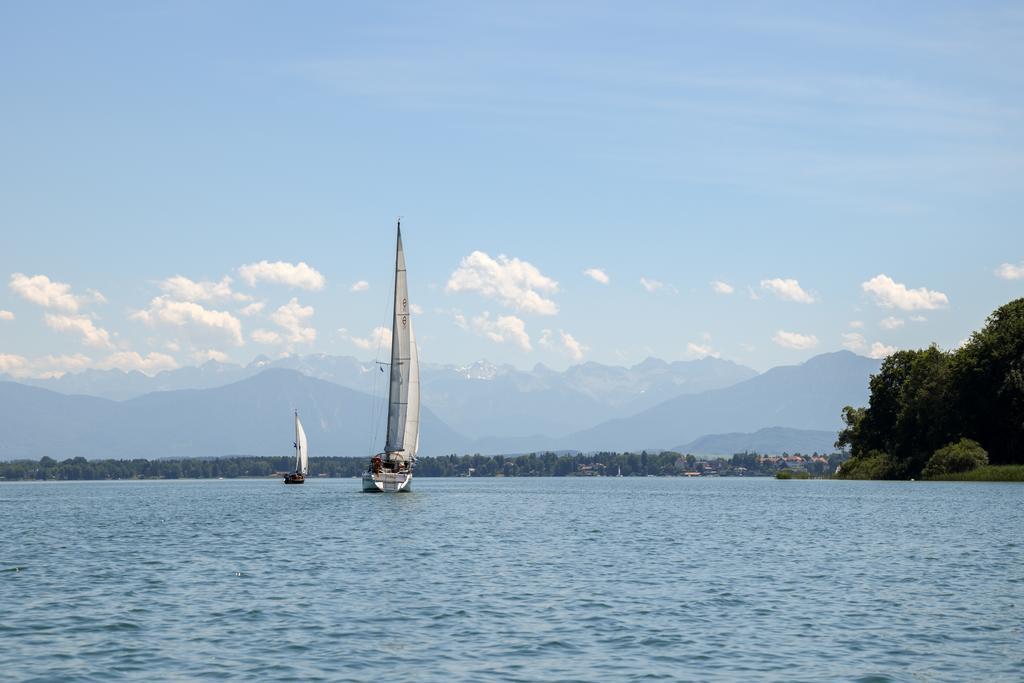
column 512, row 580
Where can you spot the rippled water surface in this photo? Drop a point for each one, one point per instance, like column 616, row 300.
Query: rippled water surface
column 512, row 580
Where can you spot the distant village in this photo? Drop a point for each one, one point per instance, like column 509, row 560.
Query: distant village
column 739, row 465
column 606, row 464
column 550, row 464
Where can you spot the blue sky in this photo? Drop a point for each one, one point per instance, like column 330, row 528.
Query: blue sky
column 524, row 143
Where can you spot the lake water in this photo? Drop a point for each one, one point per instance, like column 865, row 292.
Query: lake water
column 512, row 580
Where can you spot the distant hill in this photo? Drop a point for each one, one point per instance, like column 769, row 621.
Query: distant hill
column 479, row 400
column 769, row 441
column 809, row 396
column 251, row 417
column 509, row 411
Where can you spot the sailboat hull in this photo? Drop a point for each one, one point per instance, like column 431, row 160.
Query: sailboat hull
column 387, row 482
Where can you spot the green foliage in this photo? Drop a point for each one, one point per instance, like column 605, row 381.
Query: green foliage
column 850, row 436
column 792, row 474
column 989, row 375
column 986, row 473
column 873, row 465
column 962, row 456
column 923, row 399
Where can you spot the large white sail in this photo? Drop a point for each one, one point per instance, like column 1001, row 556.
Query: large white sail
column 398, row 394
column 393, row 471
column 302, row 455
column 412, row 419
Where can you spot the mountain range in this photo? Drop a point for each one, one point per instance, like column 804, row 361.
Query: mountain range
column 478, row 400
column 220, row 409
column 249, row 417
column 806, row 396
column 768, row 440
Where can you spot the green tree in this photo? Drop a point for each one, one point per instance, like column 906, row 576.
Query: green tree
column 871, row 465
column 909, row 415
column 962, row 456
column 988, row 373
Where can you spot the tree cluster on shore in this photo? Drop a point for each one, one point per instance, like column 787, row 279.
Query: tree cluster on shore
column 935, row 413
column 548, row 464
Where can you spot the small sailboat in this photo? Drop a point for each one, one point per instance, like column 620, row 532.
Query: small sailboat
column 392, row 469
column 301, row 455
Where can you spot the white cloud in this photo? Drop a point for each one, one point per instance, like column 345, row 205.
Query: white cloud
column 292, row 317
column 360, row 286
column 173, row 346
column 150, row 364
column 918, row 319
column 265, row 337
column 188, row 313
column 40, row 290
column 719, row 287
column 891, row 294
column 572, row 346
column 506, row 328
column 1008, row 271
column 854, row 341
column 651, row 285
column 183, row 289
column 72, row 363
column 568, row 344
column 208, row 355
column 516, row 284
column 91, row 335
column 856, row 324
column 416, row 308
column 788, row 289
column 44, row 366
column 6, row 315
column 379, row 338
column 891, row 323
column 281, row 272
column 795, row 340
column 253, row 308
column 695, row 350
column 16, row 366
column 57, row 366
column 597, row 275
column 880, row 350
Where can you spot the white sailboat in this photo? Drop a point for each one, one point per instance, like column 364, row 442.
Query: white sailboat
column 301, row 455
column 392, row 469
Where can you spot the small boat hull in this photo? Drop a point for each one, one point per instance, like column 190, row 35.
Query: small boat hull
column 387, row 482
column 295, row 478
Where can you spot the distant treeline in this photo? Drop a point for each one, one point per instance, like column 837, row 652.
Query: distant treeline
column 533, row 465
column 934, row 413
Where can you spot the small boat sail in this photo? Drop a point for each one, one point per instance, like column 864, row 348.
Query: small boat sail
column 301, row 455
column 392, row 469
